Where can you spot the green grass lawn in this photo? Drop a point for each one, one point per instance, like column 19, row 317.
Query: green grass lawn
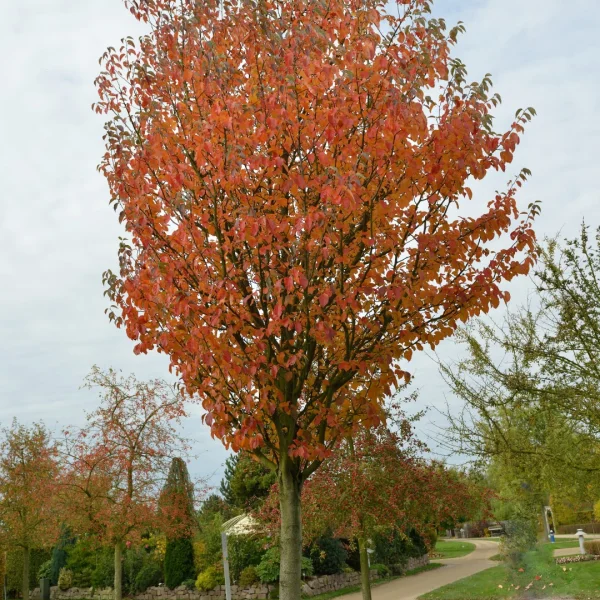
column 356, row 588
column 454, row 549
column 564, row 544
column 581, row 580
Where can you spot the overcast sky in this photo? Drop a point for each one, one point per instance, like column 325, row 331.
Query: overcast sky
column 58, row 234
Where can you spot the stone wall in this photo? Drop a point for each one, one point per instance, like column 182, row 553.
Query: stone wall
column 312, row 586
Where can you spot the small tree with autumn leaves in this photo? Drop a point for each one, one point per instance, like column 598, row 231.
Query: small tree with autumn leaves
column 290, row 175
column 377, row 481
column 29, row 471
column 118, row 462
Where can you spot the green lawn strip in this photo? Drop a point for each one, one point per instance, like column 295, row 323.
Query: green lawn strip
column 356, row 588
column 454, row 549
column 575, row 580
column 564, row 544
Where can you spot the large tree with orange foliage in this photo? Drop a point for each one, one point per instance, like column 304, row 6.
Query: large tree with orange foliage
column 290, row 175
column 29, row 472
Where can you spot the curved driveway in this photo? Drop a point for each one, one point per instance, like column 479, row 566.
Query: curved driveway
column 410, row 588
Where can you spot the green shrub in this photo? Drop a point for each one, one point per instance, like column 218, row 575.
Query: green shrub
column 103, row 575
column 592, row 547
column 209, row 579
column 14, row 568
column 65, row 579
column 268, row 568
column 395, row 548
column 244, row 551
column 207, row 546
column 45, row 570
column 328, row 556
column 150, row 575
column 521, row 536
column 81, row 561
column 397, row 569
column 179, row 562
column 382, row 570
column 190, row 584
column 248, row 577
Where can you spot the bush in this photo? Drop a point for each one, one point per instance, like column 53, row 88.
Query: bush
column 328, row 556
column 179, row 562
column 81, row 561
column 268, row 568
column 103, row 575
column 430, row 537
column 394, row 548
column 65, row 579
column 150, row 575
column 244, row 551
column 14, row 568
column 382, row 570
column 45, row 570
column 209, row 579
column 592, row 547
column 207, row 547
column 248, row 577
column 352, row 554
column 520, row 537
column 479, row 528
column 190, row 584
column 397, row 569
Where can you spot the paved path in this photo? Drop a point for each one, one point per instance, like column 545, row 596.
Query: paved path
column 409, row 588
column 566, row 552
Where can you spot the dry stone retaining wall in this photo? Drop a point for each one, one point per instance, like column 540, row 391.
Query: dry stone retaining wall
column 310, row 587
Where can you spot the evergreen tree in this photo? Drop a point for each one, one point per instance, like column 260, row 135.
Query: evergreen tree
column 246, row 482
column 177, row 507
column 230, row 467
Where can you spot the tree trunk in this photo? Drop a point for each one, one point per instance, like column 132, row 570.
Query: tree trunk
column 365, row 581
column 290, row 566
column 118, row 587
column 26, row 557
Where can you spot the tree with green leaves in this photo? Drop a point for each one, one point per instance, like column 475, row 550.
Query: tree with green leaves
column 246, row 482
column 531, row 383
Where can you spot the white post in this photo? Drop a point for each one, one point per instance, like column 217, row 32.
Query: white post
column 226, row 566
column 581, row 534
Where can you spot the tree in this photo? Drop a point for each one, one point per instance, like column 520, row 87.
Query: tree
column 531, row 384
column 119, row 460
column 29, row 471
column 177, row 507
column 377, row 482
column 246, row 481
column 291, row 193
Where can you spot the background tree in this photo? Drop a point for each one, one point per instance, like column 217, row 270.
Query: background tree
column 29, row 471
column 378, row 483
column 119, row 461
column 177, row 507
column 531, row 383
column 246, row 482
column 291, row 187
